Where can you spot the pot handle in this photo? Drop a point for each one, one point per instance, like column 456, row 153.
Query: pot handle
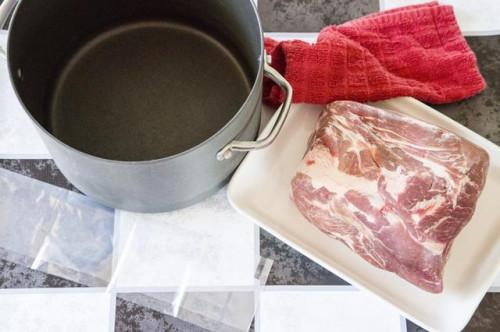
column 6, row 9
column 245, row 146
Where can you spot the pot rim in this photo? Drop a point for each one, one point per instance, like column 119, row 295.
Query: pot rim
column 256, row 85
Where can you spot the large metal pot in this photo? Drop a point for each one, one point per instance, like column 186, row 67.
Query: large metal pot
column 141, row 103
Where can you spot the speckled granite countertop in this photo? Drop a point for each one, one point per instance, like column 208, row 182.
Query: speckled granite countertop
column 290, row 270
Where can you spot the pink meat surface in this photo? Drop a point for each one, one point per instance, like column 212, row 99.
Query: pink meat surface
column 394, row 189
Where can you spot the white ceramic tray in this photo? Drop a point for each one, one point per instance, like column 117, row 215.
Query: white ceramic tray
column 260, row 189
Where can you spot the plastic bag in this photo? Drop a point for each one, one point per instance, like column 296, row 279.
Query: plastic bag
column 218, row 310
column 66, row 234
column 55, row 230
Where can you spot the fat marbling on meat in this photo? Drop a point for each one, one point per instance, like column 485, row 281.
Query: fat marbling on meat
column 394, row 189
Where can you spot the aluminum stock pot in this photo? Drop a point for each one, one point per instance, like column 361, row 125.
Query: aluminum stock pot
column 145, row 105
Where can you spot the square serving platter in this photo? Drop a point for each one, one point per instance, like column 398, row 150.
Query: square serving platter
column 260, row 189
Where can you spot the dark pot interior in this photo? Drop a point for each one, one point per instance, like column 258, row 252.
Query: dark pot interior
column 134, row 80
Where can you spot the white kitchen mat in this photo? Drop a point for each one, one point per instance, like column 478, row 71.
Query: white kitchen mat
column 208, row 244
column 55, row 311
column 475, row 17
column 319, row 309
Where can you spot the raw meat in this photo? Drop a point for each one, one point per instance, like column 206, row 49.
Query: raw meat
column 394, row 189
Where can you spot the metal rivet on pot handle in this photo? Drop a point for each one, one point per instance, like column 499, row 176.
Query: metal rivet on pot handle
column 6, row 9
column 283, row 110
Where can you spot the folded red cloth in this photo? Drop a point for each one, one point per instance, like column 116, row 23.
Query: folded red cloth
column 415, row 51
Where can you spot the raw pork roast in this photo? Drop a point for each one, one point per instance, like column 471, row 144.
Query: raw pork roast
column 394, row 189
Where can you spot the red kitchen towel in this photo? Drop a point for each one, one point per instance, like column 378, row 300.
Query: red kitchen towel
column 415, row 51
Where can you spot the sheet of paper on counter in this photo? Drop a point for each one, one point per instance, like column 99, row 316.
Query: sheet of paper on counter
column 317, row 310
column 55, row 312
column 475, row 17
column 208, row 244
column 17, row 133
